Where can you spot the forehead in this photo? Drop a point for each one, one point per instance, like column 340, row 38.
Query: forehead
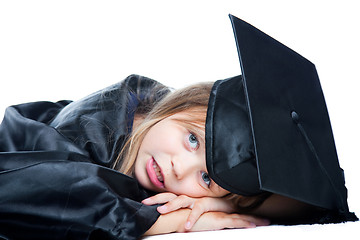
column 194, row 122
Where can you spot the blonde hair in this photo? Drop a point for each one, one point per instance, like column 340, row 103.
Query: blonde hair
column 192, row 101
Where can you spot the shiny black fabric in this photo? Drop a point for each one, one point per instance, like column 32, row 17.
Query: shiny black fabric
column 269, row 130
column 230, row 150
column 55, row 175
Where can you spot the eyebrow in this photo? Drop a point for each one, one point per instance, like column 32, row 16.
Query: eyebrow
column 194, row 128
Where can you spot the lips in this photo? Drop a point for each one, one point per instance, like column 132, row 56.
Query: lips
column 154, row 173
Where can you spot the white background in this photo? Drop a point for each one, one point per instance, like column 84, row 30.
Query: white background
column 54, row 50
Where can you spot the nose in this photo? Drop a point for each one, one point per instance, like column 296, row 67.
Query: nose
column 176, row 170
column 183, row 167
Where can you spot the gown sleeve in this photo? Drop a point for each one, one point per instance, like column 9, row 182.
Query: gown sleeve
column 56, row 184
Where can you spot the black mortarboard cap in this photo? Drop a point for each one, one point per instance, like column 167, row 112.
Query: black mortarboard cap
column 269, row 130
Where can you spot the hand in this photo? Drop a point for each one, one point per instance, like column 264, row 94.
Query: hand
column 221, row 220
column 198, row 205
column 174, row 222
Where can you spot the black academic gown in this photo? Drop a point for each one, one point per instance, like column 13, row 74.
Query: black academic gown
column 55, row 175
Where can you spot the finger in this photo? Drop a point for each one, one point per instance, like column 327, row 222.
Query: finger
column 196, row 212
column 220, row 220
column 159, row 198
column 181, row 201
column 236, row 222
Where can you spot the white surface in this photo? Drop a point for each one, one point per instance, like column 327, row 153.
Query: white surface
column 329, row 231
column 52, row 50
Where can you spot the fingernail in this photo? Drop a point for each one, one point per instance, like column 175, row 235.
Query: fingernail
column 188, row 225
column 145, row 201
column 162, row 208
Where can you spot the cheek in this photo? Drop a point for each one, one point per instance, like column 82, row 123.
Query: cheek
column 162, row 142
column 188, row 187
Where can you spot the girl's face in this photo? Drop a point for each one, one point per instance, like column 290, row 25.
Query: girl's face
column 172, row 159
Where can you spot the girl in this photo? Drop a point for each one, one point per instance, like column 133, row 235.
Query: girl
column 166, row 153
column 57, row 179
column 56, row 159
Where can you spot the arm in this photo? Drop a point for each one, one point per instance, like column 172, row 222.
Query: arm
column 277, row 208
column 183, row 213
column 198, row 206
column 175, row 222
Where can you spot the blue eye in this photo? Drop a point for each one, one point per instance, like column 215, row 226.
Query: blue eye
column 193, row 142
column 205, row 177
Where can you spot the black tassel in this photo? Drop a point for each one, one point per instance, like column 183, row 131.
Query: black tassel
column 321, row 217
column 337, row 217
